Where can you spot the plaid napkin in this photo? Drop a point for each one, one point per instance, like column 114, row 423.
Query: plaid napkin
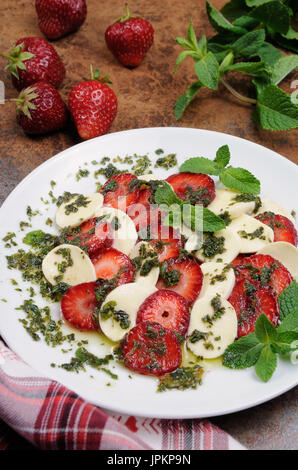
column 50, row 416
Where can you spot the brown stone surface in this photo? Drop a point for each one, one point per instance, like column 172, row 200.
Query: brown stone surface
column 146, row 98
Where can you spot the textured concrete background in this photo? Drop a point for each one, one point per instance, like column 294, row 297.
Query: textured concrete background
column 146, row 98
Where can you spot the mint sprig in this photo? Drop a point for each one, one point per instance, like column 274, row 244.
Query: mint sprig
column 246, row 30
column 181, row 211
column 238, row 179
column 261, row 348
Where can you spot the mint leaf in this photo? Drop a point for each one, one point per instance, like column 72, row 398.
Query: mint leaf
column 181, row 57
column 256, row 69
column 222, row 156
column 286, row 343
column 200, row 165
column 275, row 110
column 249, row 44
column 269, row 53
column 193, row 216
column 266, row 363
column 265, row 330
column 166, row 195
column 184, row 100
column 211, row 222
column 32, row 238
column 283, row 67
column 246, row 22
column 243, row 353
column 240, row 180
column 288, row 300
column 234, row 9
column 207, row 70
column 256, row 3
column 291, row 44
column 198, row 218
column 220, row 23
column 289, row 323
column 273, row 14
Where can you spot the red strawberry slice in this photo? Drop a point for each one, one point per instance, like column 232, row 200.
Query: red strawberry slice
column 183, row 276
column 151, row 349
column 284, row 230
column 165, row 240
column 267, row 270
column 167, row 308
column 117, row 192
column 78, row 305
column 194, row 187
column 112, row 263
column 94, row 235
column 238, row 259
column 249, row 300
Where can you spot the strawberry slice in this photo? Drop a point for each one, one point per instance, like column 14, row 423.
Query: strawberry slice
column 112, row 264
column 183, row 276
column 78, row 305
column 93, row 235
column 118, row 193
column 165, row 240
column 265, row 269
column 284, row 230
column 167, row 308
column 196, row 188
column 249, row 300
column 151, row 349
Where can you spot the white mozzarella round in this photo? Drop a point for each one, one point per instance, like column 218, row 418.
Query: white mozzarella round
column 69, row 264
column 219, row 278
column 231, row 248
column 225, row 202
column 215, row 335
column 153, row 275
column 284, row 252
column 271, row 206
column 254, row 235
column 66, row 218
column 149, row 177
column 124, row 239
column 127, row 298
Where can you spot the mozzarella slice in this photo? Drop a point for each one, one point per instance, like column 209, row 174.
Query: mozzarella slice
column 69, row 264
column 225, row 202
column 215, row 335
column 271, row 206
column 149, row 177
column 127, row 298
column 284, row 252
column 254, row 234
column 126, row 236
column 231, row 244
column 219, row 278
column 68, row 218
column 153, row 275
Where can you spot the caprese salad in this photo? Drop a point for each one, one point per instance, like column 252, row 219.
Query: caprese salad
column 135, row 268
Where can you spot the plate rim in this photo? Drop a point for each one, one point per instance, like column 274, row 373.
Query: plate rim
column 109, row 136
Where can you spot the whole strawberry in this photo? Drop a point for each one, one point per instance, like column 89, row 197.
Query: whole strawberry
column 93, row 106
column 59, row 17
column 32, row 60
column 129, row 39
column 40, row 109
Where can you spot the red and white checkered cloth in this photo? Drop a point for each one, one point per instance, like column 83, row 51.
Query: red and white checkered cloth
column 50, row 416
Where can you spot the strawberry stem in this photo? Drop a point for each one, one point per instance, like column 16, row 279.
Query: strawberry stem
column 17, row 59
column 95, row 75
column 24, row 101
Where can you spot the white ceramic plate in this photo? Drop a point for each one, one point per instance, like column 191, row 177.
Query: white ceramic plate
column 223, row 390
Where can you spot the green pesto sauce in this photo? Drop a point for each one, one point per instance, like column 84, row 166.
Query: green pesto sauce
column 181, row 379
